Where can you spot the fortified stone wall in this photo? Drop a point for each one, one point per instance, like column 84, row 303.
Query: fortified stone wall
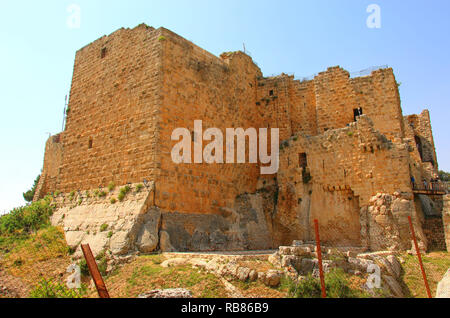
column 419, row 134
column 219, row 91
column 131, row 89
column 200, row 204
column 111, row 130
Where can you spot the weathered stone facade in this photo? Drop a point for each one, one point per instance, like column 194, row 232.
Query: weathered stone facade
column 347, row 153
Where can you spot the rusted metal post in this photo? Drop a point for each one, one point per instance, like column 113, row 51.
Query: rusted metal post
column 95, row 273
column 419, row 256
column 319, row 257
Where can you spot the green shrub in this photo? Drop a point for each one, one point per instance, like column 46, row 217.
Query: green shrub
column 50, row 289
column 71, row 250
column 111, row 186
column 84, row 269
column 102, row 194
column 123, row 192
column 309, row 287
column 126, row 189
column 96, row 193
column 110, row 234
column 71, row 195
column 27, row 219
column 139, row 187
column 113, row 200
column 162, row 38
column 29, row 195
column 102, row 263
column 104, row 227
column 336, row 285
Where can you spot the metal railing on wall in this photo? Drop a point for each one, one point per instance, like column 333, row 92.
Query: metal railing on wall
column 364, row 72
column 368, row 71
column 431, row 188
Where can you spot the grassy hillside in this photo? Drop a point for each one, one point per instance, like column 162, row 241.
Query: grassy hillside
column 436, row 265
column 31, row 250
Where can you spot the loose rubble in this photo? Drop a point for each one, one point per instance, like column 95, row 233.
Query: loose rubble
column 167, row 293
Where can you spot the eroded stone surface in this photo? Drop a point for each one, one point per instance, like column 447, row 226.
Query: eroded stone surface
column 443, row 288
column 167, row 293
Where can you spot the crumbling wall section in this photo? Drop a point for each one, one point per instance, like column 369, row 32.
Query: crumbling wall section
column 419, row 134
column 338, row 95
column 344, row 166
column 51, row 169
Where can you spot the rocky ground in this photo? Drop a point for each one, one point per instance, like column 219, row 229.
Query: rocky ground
column 231, row 274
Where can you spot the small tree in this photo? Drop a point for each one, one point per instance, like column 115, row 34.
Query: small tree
column 444, row 176
column 28, row 196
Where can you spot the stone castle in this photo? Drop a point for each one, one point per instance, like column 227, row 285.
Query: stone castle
column 348, row 156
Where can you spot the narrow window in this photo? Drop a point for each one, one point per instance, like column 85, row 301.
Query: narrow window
column 419, row 146
column 90, row 143
column 271, row 93
column 103, row 52
column 302, row 160
column 357, row 112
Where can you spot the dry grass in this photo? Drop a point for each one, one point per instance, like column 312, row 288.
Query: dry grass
column 145, row 274
column 257, row 265
column 258, row 290
column 42, row 255
column 436, row 265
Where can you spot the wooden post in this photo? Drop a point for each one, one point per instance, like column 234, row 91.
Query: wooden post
column 419, row 256
column 319, row 257
column 93, row 269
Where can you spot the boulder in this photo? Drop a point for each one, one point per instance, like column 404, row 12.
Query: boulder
column 272, row 278
column 301, row 251
column 396, row 267
column 198, row 262
column 359, row 264
column 164, row 242
column 147, row 239
column 167, row 293
column 97, row 243
column 443, row 288
column 243, row 273
column 119, row 243
column 287, row 260
column 394, row 286
column 172, row 262
column 253, row 276
column 275, row 259
column 74, row 238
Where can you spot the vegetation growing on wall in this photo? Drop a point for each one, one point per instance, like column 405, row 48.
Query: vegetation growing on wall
column 28, row 196
column 444, row 176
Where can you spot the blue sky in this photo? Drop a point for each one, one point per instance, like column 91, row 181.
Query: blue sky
column 301, row 37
